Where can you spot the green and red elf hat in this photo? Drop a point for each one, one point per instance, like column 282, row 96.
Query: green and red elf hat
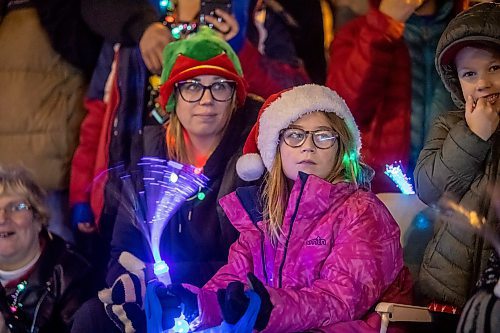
column 202, row 53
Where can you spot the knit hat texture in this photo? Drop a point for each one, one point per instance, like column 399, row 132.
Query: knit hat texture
column 202, row 53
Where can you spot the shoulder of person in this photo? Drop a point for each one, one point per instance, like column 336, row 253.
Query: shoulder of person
column 63, row 255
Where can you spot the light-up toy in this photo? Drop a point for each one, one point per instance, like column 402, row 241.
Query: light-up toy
column 396, row 174
column 166, row 185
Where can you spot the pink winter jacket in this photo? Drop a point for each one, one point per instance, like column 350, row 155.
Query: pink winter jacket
column 342, row 252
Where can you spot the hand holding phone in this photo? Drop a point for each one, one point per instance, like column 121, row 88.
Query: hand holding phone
column 208, row 8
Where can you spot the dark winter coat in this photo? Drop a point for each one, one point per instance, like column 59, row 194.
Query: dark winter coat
column 54, row 290
column 458, row 162
column 195, row 243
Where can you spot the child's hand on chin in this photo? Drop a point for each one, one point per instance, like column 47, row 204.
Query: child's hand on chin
column 481, row 117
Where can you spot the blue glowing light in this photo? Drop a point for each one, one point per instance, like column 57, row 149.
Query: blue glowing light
column 181, row 325
column 396, row 174
column 161, row 268
column 163, row 3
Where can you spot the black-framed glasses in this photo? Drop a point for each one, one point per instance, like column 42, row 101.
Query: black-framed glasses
column 16, row 209
column 322, row 138
column 192, row 91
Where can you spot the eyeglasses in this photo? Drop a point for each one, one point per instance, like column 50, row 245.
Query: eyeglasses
column 322, row 138
column 16, row 209
column 192, row 91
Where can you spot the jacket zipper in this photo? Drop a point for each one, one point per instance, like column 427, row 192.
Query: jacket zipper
column 263, row 254
column 280, row 271
column 37, row 308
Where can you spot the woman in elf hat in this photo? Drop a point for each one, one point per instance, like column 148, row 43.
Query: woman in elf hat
column 208, row 117
column 315, row 244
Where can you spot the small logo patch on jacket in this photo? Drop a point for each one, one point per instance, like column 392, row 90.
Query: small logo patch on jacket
column 316, row 241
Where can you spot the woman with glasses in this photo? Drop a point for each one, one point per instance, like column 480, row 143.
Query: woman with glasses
column 207, row 117
column 317, row 247
column 43, row 282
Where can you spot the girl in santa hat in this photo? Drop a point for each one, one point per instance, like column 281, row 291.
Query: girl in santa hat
column 316, row 246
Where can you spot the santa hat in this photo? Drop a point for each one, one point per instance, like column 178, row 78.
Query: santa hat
column 202, row 53
column 279, row 111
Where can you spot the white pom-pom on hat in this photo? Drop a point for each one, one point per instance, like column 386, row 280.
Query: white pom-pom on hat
column 250, row 167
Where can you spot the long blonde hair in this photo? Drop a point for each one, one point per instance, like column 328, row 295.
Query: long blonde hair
column 276, row 191
column 176, row 143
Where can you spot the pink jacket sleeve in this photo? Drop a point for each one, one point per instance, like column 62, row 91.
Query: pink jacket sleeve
column 361, row 58
column 364, row 261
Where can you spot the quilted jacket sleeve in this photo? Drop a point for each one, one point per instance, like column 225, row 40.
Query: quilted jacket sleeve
column 82, row 166
column 361, row 58
column 451, row 159
column 364, row 261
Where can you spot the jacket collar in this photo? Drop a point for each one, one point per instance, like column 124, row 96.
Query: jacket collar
column 313, row 195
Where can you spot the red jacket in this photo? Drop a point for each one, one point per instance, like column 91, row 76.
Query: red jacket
column 370, row 68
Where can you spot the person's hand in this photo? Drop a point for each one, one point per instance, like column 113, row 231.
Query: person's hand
column 482, row 117
column 124, row 300
column 171, row 297
column 400, row 10
column 229, row 26
column 234, row 303
column 153, row 41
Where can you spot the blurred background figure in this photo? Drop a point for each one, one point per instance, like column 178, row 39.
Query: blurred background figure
column 47, row 55
column 346, row 10
column 43, row 282
column 382, row 63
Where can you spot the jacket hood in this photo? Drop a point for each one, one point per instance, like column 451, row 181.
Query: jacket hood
column 478, row 25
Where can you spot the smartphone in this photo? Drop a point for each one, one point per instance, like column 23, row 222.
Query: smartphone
column 208, row 7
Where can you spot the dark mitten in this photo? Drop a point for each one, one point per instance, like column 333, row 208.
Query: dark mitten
column 128, row 317
column 124, row 300
column 175, row 297
column 265, row 306
column 233, row 302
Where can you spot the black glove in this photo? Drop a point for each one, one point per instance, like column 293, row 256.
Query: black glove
column 234, row 303
column 171, row 297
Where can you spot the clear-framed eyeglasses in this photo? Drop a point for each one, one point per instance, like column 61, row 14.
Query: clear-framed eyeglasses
column 322, row 138
column 192, row 91
column 15, row 210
